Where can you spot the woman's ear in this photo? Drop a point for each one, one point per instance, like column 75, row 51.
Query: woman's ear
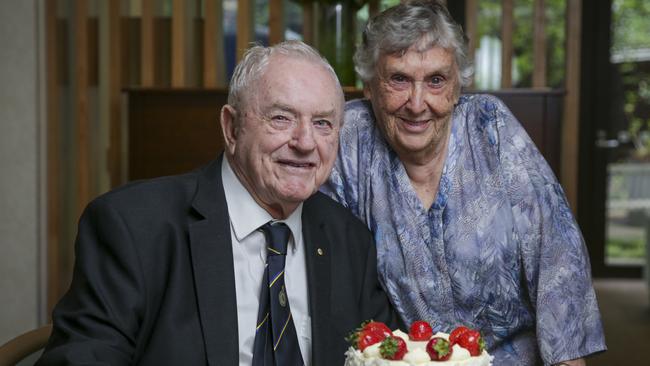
column 367, row 93
column 229, row 127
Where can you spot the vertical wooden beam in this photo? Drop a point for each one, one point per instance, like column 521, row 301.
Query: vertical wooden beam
column 214, row 69
column 539, row 45
column 308, row 20
column 147, row 64
column 245, row 23
column 276, row 21
column 507, row 26
column 570, row 126
column 54, row 208
column 114, row 89
column 374, row 7
column 471, row 30
column 81, row 104
column 178, row 44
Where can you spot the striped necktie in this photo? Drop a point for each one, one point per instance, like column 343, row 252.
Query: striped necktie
column 276, row 342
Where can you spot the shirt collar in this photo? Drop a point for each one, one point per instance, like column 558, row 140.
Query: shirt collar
column 246, row 215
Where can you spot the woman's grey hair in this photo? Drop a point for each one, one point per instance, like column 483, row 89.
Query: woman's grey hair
column 420, row 23
column 256, row 59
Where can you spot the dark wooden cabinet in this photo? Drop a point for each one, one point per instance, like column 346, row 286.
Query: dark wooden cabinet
column 171, row 131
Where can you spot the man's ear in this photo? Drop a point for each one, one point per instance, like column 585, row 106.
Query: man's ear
column 229, row 127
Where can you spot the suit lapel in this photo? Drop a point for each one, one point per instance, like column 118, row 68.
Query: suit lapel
column 212, row 263
column 318, row 279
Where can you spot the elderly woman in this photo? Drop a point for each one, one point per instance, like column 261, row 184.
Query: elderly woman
column 470, row 223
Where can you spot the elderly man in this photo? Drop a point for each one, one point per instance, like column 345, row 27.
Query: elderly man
column 240, row 262
column 472, row 228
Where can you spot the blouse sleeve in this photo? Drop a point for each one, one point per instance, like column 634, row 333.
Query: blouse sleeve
column 553, row 251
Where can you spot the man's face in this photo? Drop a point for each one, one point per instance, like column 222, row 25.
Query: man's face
column 413, row 96
column 283, row 140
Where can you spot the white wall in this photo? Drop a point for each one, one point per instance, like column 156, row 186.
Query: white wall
column 20, row 167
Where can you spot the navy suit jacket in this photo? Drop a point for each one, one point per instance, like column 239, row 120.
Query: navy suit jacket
column 154, row 284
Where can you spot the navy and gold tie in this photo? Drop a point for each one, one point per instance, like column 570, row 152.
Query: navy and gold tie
column 276, row 342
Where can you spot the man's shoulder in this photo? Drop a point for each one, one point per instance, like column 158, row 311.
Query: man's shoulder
column 153, row 187
column 331, row 211
column 323, row 202
column 156, row 194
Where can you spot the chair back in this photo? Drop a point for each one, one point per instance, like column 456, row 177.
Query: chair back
column 24, row 345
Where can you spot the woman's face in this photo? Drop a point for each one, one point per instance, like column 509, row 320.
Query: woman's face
column 413, row 97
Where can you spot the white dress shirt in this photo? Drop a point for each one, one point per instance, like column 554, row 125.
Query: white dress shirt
column 249, row 258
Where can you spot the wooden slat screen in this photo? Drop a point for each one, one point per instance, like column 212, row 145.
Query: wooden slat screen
column 471, row 31
column 374, row 7
column 81, row 104
column 114, row 71
column 213, row 61
column 276, row 21
column 179, row 77
column 507, row 26
column 245, row 31
column 147, row 64
column 308, row 23
column 539, row 45
column 570, row 129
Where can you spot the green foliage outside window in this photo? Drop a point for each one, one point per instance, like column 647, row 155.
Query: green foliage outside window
column 631, row 27
column 630, row 51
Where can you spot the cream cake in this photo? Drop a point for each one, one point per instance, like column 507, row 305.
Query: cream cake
column 415, row 355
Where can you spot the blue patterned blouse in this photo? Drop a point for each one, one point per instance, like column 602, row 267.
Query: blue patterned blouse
column 499, row 249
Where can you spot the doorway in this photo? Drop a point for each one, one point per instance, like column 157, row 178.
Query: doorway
column 614, row 200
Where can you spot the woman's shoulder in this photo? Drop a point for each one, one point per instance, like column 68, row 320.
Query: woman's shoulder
column 485, row 106
column 488, row 113
column 359, row 129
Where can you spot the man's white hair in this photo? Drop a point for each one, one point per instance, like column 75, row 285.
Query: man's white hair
column 256, row 59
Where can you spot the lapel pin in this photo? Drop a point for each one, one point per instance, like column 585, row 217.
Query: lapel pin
column 319, row 251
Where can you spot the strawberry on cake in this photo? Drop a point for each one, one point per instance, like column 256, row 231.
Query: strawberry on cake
column 374, row 344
